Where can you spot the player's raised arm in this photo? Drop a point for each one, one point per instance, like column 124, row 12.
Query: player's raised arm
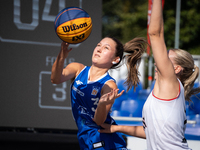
column 156, row 33
column 166, row 79
column 59, row 73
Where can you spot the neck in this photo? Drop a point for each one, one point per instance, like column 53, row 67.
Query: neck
column 96, row 73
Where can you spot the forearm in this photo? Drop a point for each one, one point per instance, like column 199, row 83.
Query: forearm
column 159, row 49
column 105, row 103
column 57, row 69
column 156, row 21
column 137, row 131
column 100, row 114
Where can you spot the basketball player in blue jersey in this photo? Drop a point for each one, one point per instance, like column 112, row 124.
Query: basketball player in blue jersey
column 93, row 90
column 164, row 112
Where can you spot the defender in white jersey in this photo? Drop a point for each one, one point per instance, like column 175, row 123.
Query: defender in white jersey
column 164, row 121
column 164, row 115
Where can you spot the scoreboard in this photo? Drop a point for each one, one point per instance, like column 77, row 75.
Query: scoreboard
column 29, row 46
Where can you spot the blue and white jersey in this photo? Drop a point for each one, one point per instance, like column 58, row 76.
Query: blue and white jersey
column 164, row 121
column 85, row 96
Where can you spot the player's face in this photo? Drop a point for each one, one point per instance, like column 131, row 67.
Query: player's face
column 104, row 53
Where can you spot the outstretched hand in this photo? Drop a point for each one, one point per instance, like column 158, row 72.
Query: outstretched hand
column 110, row 97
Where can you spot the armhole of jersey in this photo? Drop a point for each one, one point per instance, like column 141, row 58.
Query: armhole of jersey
column 107, row 81
column 78, row 74
column 171, row 98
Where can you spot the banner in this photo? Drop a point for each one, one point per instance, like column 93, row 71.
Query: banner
column 28, row 40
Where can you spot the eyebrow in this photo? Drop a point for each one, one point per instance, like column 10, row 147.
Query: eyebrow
column 105, row 44
column 108, row 45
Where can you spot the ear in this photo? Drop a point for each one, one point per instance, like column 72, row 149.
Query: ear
column 178, row 69
column 116, row 60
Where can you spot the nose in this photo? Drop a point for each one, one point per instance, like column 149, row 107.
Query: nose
column 99, row 49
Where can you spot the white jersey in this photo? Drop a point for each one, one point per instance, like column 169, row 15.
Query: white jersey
column 164, row 122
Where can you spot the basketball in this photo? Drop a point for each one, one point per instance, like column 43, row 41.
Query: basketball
column 73, row 25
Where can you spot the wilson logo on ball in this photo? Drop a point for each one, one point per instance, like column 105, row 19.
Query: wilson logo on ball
column 73, row 25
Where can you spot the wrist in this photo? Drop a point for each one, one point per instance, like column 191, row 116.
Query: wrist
column 101, row 104
column 116, row 128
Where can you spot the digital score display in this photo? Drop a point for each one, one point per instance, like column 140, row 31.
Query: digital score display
column 29, row 46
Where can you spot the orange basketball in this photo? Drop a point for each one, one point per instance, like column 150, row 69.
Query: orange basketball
column 73, row 25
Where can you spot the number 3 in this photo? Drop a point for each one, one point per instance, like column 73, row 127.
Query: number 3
column 62, row 90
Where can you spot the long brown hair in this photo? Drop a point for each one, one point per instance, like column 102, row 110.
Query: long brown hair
column 133, row 50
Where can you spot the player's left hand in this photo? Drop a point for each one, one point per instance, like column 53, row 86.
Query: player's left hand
column 110, row 97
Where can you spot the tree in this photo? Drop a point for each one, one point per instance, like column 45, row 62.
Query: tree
column 126, row 19
column 189, row 25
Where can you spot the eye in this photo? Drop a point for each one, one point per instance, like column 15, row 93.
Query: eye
column 98, row 45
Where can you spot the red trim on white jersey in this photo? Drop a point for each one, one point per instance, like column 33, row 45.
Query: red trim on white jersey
column 168, row 99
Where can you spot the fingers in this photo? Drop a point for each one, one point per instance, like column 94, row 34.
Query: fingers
column 116, row 94
column 111, row 96
column 106, row 96
column 65, row 46
column 120, row 94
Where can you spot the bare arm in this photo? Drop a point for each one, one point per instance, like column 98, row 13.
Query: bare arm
column 166, row 85
column 156, row 33
column 137, row 131
column 58, row 74
column 109, row 94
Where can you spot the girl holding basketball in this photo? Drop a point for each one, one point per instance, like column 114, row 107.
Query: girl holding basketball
column 164, row 112
column 93, row 90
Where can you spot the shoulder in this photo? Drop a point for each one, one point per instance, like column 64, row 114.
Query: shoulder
column 77, row 66
column 72, row 70
column 108, row 86
column 111, row 83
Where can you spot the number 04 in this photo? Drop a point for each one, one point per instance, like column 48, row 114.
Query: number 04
column 35, row 14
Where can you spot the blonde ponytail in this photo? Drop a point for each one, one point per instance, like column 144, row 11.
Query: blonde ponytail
column 189, row 84
column 189, row 74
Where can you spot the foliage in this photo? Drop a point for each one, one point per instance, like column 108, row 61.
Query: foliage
column 126, row 19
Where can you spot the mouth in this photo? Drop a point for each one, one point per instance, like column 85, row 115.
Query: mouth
column 96, row 55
